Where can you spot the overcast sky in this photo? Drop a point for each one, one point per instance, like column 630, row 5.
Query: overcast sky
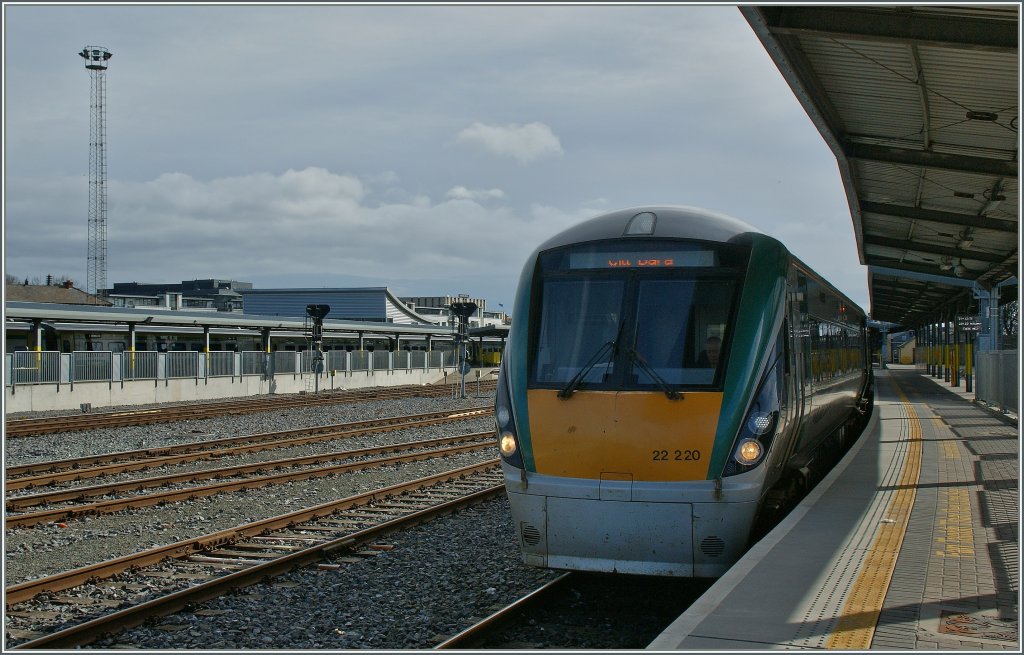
column 426, row 149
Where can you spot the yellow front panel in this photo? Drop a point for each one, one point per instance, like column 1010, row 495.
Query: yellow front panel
column 642, row 435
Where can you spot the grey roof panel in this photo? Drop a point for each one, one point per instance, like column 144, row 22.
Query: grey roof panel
column 920, row 106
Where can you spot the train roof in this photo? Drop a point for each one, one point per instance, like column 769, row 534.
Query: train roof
column 677, row 222
column 671, row 221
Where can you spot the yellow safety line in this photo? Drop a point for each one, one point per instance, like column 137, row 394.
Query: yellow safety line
column 859, row 615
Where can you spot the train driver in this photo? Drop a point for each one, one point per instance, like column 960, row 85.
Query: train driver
column 708, row 357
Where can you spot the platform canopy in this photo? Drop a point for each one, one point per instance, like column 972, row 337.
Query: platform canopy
column 920, row 106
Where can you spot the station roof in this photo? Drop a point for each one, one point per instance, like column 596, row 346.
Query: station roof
column 489, row 331
column 27, row 311
column 920, row 105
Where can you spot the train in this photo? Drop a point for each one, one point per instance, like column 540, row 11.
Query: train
column 673, row 379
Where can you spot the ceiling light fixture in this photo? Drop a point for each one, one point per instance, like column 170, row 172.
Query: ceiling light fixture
column 966, row 241
column 989, row 116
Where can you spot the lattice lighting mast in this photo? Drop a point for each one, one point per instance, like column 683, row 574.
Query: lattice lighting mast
column 96, row 259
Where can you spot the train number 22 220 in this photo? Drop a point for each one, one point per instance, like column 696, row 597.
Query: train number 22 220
column 676, row 456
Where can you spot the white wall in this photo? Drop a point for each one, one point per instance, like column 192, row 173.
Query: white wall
column 44, row 397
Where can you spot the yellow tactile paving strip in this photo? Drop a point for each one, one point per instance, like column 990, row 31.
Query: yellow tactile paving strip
column 955, row 526
column 859, row 614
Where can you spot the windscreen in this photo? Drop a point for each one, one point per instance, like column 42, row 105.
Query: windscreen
column 634, row 315
column 581, row 320
column 680, row 325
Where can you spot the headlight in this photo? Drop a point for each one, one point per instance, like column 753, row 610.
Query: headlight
column 506, row 431
column 759, row 427
column 507, row 444
column 749, row 452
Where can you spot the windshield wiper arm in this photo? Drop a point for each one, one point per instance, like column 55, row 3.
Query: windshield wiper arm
column 660, row 381
column 577, row 379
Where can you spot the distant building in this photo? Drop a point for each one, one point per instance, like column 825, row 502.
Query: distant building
column 191, row 295
column 436, row 309
column 65, row 294
column 368, row 304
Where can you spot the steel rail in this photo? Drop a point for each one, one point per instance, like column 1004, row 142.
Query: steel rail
column 69, row 579
column 145, row 458
column 120, row 418
column 82, row 493
column 189, row 493
column 473, row 635
column 130, row 617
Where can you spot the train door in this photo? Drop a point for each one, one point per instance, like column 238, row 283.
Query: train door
column 797, row 351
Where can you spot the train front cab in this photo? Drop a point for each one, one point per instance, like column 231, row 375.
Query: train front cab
column 615, row 427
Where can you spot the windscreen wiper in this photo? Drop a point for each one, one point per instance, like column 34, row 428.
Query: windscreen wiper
column 577, row 380
column 608, row 346
column 660, row 381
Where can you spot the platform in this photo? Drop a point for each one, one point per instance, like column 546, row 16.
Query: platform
column 910, row 543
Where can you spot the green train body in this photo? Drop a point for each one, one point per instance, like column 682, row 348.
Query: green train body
column 671, row 377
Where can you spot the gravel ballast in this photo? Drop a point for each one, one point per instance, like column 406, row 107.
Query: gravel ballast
column 437, row 580
column 432, row 582
column 50, row 548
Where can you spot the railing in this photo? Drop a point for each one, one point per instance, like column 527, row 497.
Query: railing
column 50, row 367
column 254, row 363
column 417, row 359
column 220, row 364
column 140, row 366
column 92, row 366
column 360, row 360
column 997, row 379
column 183, row 364
column 336, row 360
column 284, row 361
column 35, row 367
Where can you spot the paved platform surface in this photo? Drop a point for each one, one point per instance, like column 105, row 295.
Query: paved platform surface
column 911, row 543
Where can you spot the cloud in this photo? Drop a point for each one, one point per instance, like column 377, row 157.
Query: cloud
column 462, row 193
column 307, row 226
column 524, row 143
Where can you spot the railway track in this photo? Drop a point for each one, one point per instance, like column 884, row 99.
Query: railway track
column 179, row 412
column 66, row 504
column 486, row 630
column 40, row 474
column 76, row 607
column 584, row 611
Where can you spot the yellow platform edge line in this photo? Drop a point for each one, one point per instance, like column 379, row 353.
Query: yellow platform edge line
column 859, row 615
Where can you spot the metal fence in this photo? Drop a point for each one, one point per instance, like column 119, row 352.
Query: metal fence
column 381, row 360
column 402, row 360
column 442, row 358
column 417, row 359
column 35, row 367
column 140, row 366
column 220, row 364
column 50, row 367
column 360, row 360
column 254, row 363
column 997, row 379
column 92, row 366
column 183, row 364
column 284, row 361
column 337, row 360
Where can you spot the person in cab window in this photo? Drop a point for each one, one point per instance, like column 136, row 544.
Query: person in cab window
column 708, row 357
